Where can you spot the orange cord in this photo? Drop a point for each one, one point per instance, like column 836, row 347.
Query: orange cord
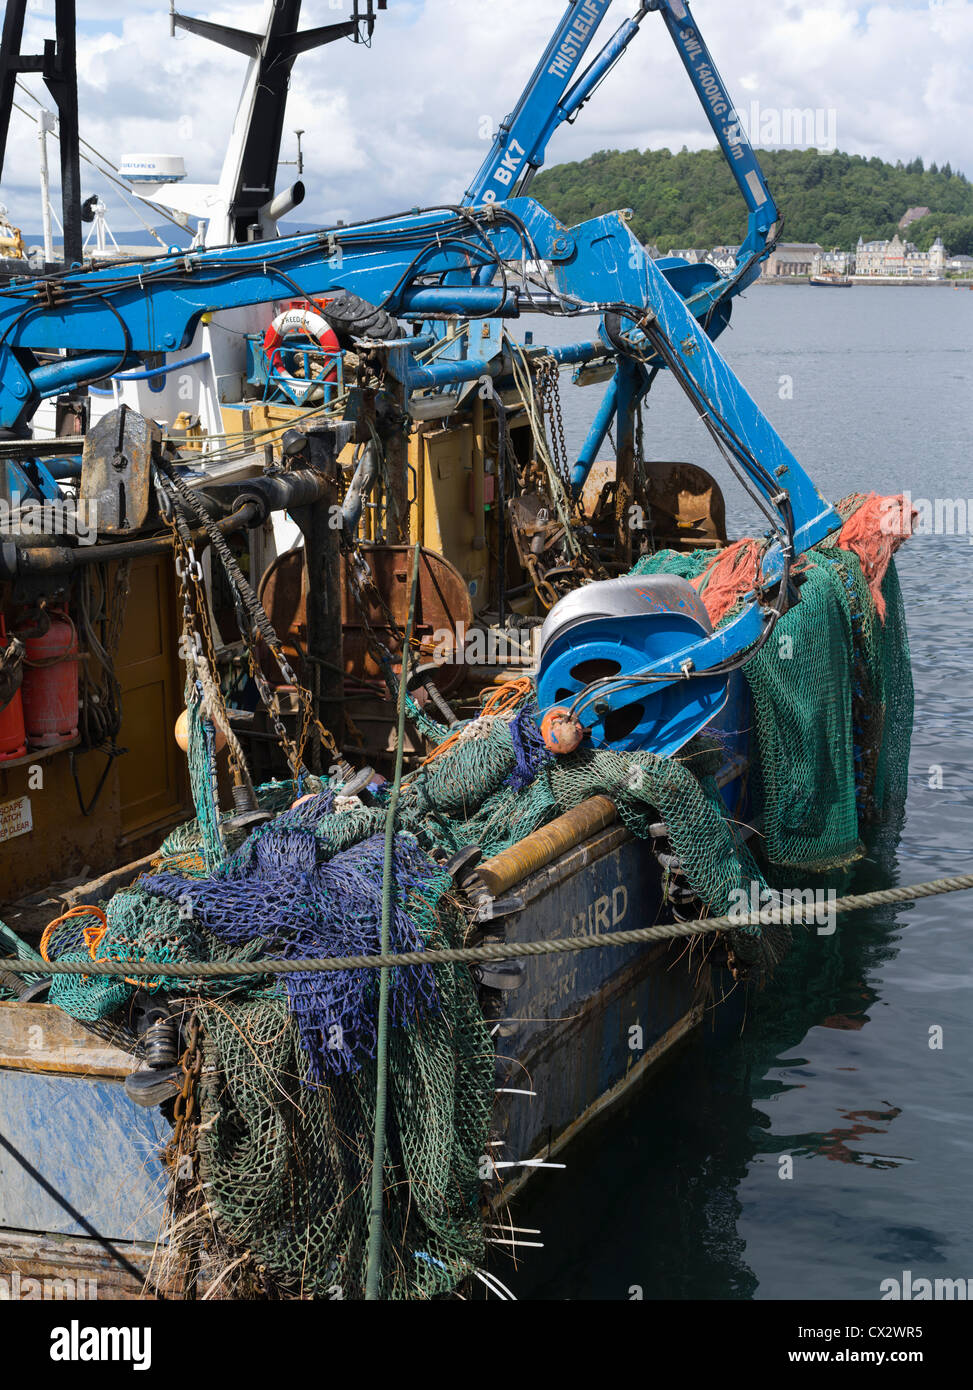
column 93, row 936
column 497, row 703
column 508, row 697
column 442, row 748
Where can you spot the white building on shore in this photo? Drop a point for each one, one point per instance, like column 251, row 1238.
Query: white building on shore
column 789, row 259
column 833, row 263
column 900, row 258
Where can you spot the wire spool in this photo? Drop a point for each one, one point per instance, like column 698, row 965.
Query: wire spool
column 596, row 637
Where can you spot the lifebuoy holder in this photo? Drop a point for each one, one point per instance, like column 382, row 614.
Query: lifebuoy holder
column 302, row 319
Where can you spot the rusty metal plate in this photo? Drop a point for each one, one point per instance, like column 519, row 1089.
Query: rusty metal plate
column 116, row 471
column 443, row 605
column 687, row 506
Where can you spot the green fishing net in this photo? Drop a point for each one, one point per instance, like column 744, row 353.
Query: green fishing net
column 832, row 710
column 284, row 1149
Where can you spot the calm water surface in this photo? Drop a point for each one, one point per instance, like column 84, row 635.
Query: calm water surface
column 678, row 1192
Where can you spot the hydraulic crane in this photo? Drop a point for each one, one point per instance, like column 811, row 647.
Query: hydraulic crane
column 421, row 267
column 556, row 94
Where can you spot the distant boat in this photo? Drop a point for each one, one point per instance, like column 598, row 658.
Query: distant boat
column 831, row 280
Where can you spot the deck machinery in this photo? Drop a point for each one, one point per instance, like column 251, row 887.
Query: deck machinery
column 425, row 428
column 495, row 258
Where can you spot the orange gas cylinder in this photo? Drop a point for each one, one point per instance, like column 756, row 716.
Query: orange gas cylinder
column 13, row 740
column 50, row 687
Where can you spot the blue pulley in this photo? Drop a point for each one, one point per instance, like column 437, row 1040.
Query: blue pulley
column 618, row 628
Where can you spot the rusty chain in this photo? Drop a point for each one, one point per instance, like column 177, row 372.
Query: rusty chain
column 184, row 1105
column 255, row 625
column 549, row 392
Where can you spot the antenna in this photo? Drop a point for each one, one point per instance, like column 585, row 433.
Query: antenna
column 58, row 66
column 299, row 161
column 368, row 19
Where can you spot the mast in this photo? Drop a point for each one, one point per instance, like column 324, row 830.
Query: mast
column 248, row 178
column 58, row 66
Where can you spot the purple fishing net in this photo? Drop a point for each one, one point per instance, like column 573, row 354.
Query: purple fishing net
column 282, row 890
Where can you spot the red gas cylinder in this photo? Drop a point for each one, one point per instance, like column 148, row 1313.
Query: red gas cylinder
column 50, row 687
column 13, row 740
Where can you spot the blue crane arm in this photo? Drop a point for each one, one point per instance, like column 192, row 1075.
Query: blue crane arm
column 521, row 140
column 723, row 118
column 520, row 146
column 111, row 318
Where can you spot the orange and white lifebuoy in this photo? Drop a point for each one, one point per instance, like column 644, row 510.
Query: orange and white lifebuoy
column 300, row 319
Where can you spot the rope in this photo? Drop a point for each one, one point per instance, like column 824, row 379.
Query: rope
column 374, row 1268
column 505, row 700
column 498, row 704
column 92, row 935
column 207, row 969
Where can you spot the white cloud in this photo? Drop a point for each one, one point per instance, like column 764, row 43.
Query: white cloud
column 399, row 125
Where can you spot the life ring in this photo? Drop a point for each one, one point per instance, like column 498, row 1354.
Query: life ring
column 301, row 320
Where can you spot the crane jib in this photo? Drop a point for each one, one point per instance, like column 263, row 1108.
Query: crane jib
column 575, row 40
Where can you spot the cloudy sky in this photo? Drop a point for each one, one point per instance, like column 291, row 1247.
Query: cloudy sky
column 403, row 124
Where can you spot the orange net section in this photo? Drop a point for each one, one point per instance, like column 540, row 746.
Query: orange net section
column 873, row 529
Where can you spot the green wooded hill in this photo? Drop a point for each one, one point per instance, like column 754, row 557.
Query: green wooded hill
column 691, row 199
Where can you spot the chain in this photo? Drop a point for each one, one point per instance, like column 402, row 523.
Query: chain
column 365, row 591
column 253, row 623
column 582, row 562
column 549, row 389
column 364, row 588
column 197, row 632
column 179, row 1157
column 642, row 482
column 543, row 588
column 184, row 1105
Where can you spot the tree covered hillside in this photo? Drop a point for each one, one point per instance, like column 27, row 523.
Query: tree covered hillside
column 691, row 199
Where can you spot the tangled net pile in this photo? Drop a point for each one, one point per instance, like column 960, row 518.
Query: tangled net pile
column 832, row 689
column 288, row 1091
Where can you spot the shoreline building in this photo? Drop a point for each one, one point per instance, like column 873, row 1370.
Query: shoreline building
column 900, row 258
column 833, row 263
column 724, row 258
column 790, row 258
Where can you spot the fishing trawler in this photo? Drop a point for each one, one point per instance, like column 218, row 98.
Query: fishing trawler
column 318, row 644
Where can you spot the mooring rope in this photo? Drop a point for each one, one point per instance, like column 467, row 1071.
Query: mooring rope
column 794, row 914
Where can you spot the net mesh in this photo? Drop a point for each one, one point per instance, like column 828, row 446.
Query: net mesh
column 287, row 1096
